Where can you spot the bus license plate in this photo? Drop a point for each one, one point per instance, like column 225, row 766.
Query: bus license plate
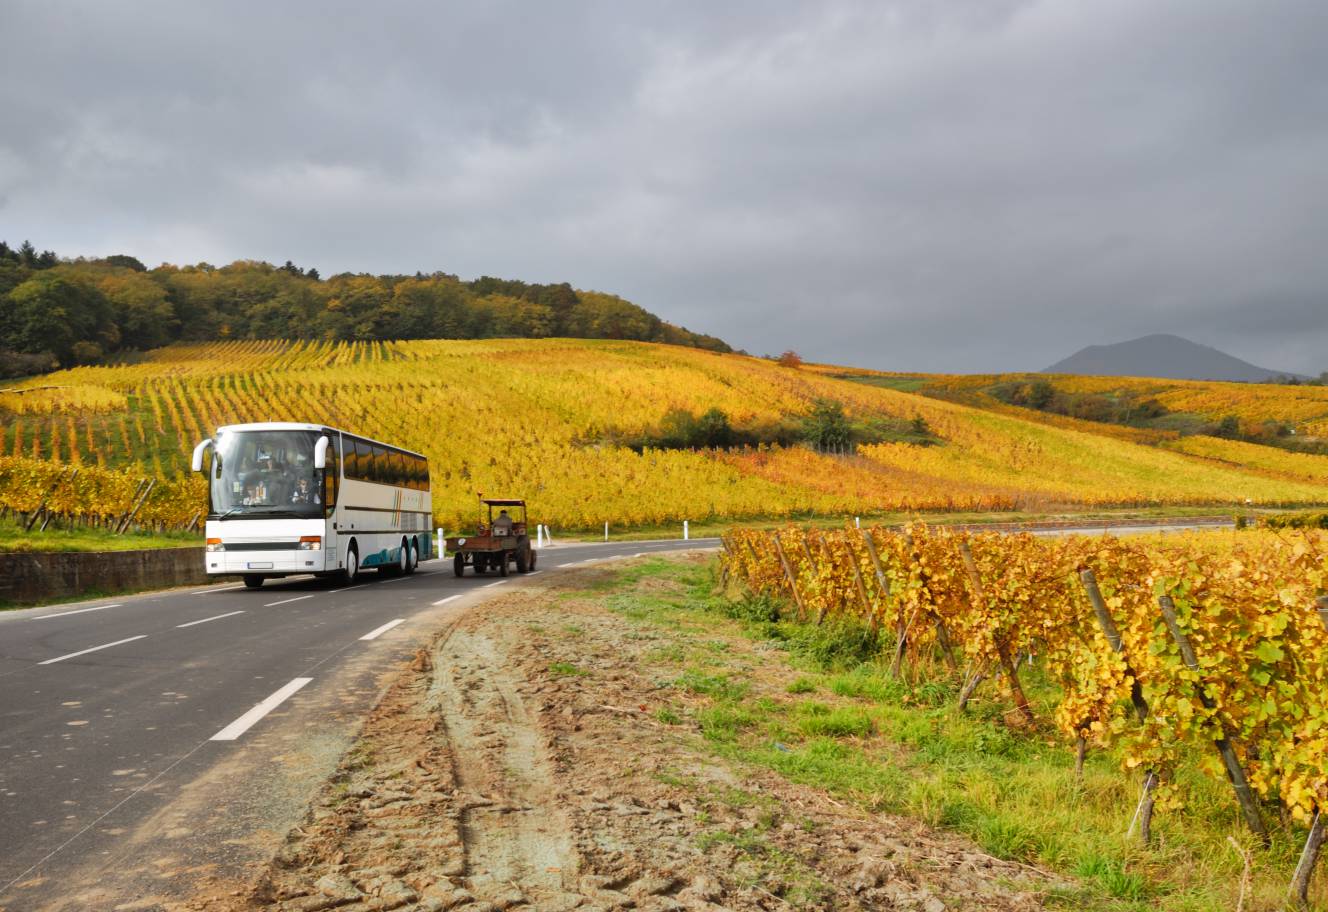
column 259, row 565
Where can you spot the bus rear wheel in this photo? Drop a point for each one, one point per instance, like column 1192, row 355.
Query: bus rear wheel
column 413, row 561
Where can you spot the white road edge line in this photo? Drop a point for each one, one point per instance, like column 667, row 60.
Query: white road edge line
column 491, row 585
column 251, row 718
column 379, row 631
column 298, row 598
column 81, row 652
column 213, row 618
column 222, row 589
column 79, row 611
column 444, row 601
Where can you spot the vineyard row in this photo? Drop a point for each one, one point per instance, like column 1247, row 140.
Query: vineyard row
column 1204, row 645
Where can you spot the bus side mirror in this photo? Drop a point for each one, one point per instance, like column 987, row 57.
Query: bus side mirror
column 320, row 453
column 199, row 450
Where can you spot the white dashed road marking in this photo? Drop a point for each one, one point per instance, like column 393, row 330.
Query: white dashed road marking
column 74, row 655
column 79, row 611
column 216, row 617
column 379, row 631
column 251, row 718
column 298, row 598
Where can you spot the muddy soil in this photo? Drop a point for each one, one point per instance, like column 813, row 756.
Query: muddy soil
column 519, row 763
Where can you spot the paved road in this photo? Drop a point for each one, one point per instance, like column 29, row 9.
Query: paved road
column 111, row 710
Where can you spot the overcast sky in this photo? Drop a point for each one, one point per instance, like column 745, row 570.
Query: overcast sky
column 948, row 186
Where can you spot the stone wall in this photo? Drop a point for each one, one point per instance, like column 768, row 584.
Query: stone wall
column 31, row 577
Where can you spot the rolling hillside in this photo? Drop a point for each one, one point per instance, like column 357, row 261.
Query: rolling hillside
column 1162, row 355
column 548, row 418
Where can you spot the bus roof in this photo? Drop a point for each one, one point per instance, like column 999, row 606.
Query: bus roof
column 297, row 426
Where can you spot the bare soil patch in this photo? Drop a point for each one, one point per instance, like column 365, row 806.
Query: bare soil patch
column 529, row 759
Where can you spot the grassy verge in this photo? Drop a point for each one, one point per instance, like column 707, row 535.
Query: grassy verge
column 13, row 538
column 814, row 704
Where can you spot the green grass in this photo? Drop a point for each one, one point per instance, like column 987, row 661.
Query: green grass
column 902, row 748
column 13, row 538
column 567, row 670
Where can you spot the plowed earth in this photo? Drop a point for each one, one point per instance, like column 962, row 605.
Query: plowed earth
column 518, row 762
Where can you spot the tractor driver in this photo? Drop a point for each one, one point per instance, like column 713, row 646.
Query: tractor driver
column 503, row 524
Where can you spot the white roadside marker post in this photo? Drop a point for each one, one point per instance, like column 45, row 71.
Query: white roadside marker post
column 606, row 531
column 686, row 533
column 441, row 552
column 857, row 522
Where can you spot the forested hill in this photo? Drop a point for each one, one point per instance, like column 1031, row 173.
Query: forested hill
column 61, row 312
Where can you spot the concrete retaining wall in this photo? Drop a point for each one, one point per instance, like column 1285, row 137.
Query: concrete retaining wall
column 27, row 578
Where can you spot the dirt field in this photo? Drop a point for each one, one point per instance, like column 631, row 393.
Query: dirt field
column 539, row 755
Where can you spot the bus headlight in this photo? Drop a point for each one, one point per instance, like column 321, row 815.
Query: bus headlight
column 214, row 544
column 311, row 543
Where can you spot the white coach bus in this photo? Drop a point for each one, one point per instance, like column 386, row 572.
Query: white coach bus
column 285, row 499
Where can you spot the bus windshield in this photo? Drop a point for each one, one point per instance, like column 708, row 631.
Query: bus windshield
column 266, row 473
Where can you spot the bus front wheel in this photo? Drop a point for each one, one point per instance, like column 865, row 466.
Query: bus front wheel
column 253, row 581
column 352, row 568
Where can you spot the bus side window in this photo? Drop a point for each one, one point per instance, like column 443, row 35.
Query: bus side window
column 398, row 471
column 424, row 475
column 379, row 471
column 352, row 461
column 364, row 452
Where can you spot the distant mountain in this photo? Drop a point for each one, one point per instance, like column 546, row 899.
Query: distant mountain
column 1162, row 355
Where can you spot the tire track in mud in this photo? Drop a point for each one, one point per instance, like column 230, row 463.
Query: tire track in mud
column 517, row 839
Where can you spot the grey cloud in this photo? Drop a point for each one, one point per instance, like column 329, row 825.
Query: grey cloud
column 910, row 185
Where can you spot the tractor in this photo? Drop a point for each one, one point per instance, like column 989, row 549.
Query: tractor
column 499, row 543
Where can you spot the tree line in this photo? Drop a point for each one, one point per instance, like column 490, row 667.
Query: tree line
column 57, row 312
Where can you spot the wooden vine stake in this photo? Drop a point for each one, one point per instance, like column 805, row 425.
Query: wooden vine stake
column 867, row 609
column 792, row 580
column 1020, row 701
column 1248, row 806
column 1309, row 856
column 1109, row 630
column 882, row 581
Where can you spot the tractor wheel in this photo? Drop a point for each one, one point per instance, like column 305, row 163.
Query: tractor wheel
column 459, row 564
column 533, row 555
column 522, row 560
column 502, row 564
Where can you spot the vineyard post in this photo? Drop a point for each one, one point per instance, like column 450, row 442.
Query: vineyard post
column 815, row 568
column 792, row 580
column 857, row 580
column 881, row 580
column 1239, row 783
column 129, row 518
column 41, row 505
column 1109, row 630
column 124, row 517
column 1020, row 701
column 1309, row 856
column 50, row 514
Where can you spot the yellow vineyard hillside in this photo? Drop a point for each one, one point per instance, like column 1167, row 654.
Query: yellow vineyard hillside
column 538, row 417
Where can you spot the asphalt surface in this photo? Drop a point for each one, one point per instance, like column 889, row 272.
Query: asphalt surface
column 111, row 709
